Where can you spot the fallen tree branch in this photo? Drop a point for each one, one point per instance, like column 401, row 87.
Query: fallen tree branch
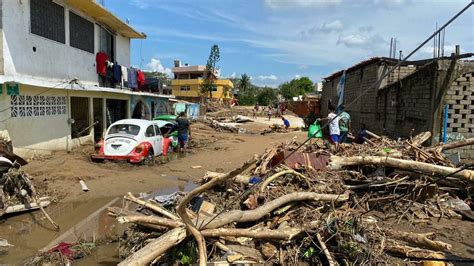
column 452, row 145
column 241, row 179
column 156, row 248
column 420, row 240
column 373, row 184
column 181, row 210
column 279, row 234
column 275, row 176
column 338, row 162
column 149, row 220
column 152, row 206
column 239, row 216
column 415, row 252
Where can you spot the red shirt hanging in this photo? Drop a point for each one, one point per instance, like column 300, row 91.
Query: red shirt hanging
column 140, row 78
column 101, row 63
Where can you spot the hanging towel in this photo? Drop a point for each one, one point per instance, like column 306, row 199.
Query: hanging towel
column 117, row 69
column 101, row 63
column 132, row 78
column 140, row 78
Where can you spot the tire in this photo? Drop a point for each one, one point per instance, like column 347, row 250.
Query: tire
column 149, row 159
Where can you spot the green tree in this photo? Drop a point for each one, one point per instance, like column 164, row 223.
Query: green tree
column 267, row 96
column 210, row 74
column 296, row 87
column 244, row 82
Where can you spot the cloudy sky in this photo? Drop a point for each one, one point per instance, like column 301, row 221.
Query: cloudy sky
column 276, row 40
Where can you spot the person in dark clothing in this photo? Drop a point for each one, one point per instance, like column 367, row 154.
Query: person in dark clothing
column 184, row 131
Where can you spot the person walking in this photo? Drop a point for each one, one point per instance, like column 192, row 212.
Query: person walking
column 334, row 131
column 270, row 111
column 345, row 125
column 184, row 131
column 255, row 111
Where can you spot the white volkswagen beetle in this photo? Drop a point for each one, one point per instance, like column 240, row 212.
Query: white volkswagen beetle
column 133, row 140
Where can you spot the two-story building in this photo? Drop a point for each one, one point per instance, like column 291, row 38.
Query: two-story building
column 188, row 81
column 51, row 96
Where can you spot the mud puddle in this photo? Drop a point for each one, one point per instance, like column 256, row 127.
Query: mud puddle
column 31, row 232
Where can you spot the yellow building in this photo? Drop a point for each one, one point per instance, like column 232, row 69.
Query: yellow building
column 188, row 82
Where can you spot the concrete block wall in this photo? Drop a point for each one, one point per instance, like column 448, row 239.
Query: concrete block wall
column 460, row 101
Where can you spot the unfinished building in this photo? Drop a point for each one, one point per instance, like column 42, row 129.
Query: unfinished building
column 435, row 95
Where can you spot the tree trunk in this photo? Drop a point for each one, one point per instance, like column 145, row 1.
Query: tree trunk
column 420, row 240
column 149, row 220
column 156, row 248
column 280, row 234
column 452, row 145
column 338, row 162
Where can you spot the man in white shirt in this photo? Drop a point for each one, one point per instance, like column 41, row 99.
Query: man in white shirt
column 334, row 131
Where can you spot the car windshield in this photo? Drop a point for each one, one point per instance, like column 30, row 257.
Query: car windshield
column 125, row 129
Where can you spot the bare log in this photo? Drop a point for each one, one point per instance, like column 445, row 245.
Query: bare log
column 414, row 252
column 421, row 240
column 280, row 234
column 149, row 220
column 150, row 205
column 241, row 179
column 373, row 135
column 239, row 216
column 275, row 176
column 338, row 162
column 452, row 145
column 181, row 210
column 421, row 138
column 156, row 248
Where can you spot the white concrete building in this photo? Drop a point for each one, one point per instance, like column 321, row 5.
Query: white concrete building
column 50, row 94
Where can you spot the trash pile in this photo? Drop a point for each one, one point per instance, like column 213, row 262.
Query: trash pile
column 309, row 205
column 17, row 192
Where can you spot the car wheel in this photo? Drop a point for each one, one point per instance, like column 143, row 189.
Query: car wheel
column 149, row 159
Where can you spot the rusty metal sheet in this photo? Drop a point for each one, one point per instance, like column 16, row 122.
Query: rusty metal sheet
column 299, row 159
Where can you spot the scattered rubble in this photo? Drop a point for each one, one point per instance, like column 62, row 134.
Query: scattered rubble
column 317, row 206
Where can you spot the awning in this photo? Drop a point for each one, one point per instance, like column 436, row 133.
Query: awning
column 103, row 16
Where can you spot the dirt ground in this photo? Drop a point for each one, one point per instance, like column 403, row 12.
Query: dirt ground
column 58, row 174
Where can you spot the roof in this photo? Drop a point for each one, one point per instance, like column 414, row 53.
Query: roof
column 185, row 69
column 391, row 61
column 102, row 15
column 361, row 64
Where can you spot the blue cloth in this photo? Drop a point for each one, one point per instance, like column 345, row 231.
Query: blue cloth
column 286, row 122
column 117, row 73
column 132, row 78
column 183, row 138
column 335, row 138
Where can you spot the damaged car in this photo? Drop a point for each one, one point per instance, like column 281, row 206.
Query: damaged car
column 132, row 140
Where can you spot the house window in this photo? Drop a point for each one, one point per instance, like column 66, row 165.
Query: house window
column 81, row 33
column 47, row 20
column 107, row 43
column 185, row 88
column 214, row 88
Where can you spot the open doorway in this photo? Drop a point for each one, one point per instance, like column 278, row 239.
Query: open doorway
column 98, row 114
column 80, row 116
column 141, row 111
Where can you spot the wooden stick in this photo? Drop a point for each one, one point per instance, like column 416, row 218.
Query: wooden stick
column 150, row 205
column 181, row 210
column 156, row 248
column 376, row 184
column 416, row 252
column 279, row 234
column 149, row 220
column 373, row 135
column 325, row 250
column 338, row 162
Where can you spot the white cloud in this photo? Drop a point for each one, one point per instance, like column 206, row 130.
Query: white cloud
column 269, row 77
column 335, row 25
column 156, row 66
column 361, row 40
column 142, row 4
column 303, row 67
column 234, row 75
column 280, row 4
column 297, row 76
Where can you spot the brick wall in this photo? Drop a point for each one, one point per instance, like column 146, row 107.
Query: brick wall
column 460, row 101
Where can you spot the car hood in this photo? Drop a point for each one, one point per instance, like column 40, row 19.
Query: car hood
column 119, row 145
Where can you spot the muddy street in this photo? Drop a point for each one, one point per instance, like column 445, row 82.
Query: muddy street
column 58, row 175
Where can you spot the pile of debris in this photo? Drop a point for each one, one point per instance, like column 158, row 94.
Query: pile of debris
column 316, row 206
column 17, row 192
column 225, row 124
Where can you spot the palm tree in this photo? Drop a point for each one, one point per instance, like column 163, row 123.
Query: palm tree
column 244, row 82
